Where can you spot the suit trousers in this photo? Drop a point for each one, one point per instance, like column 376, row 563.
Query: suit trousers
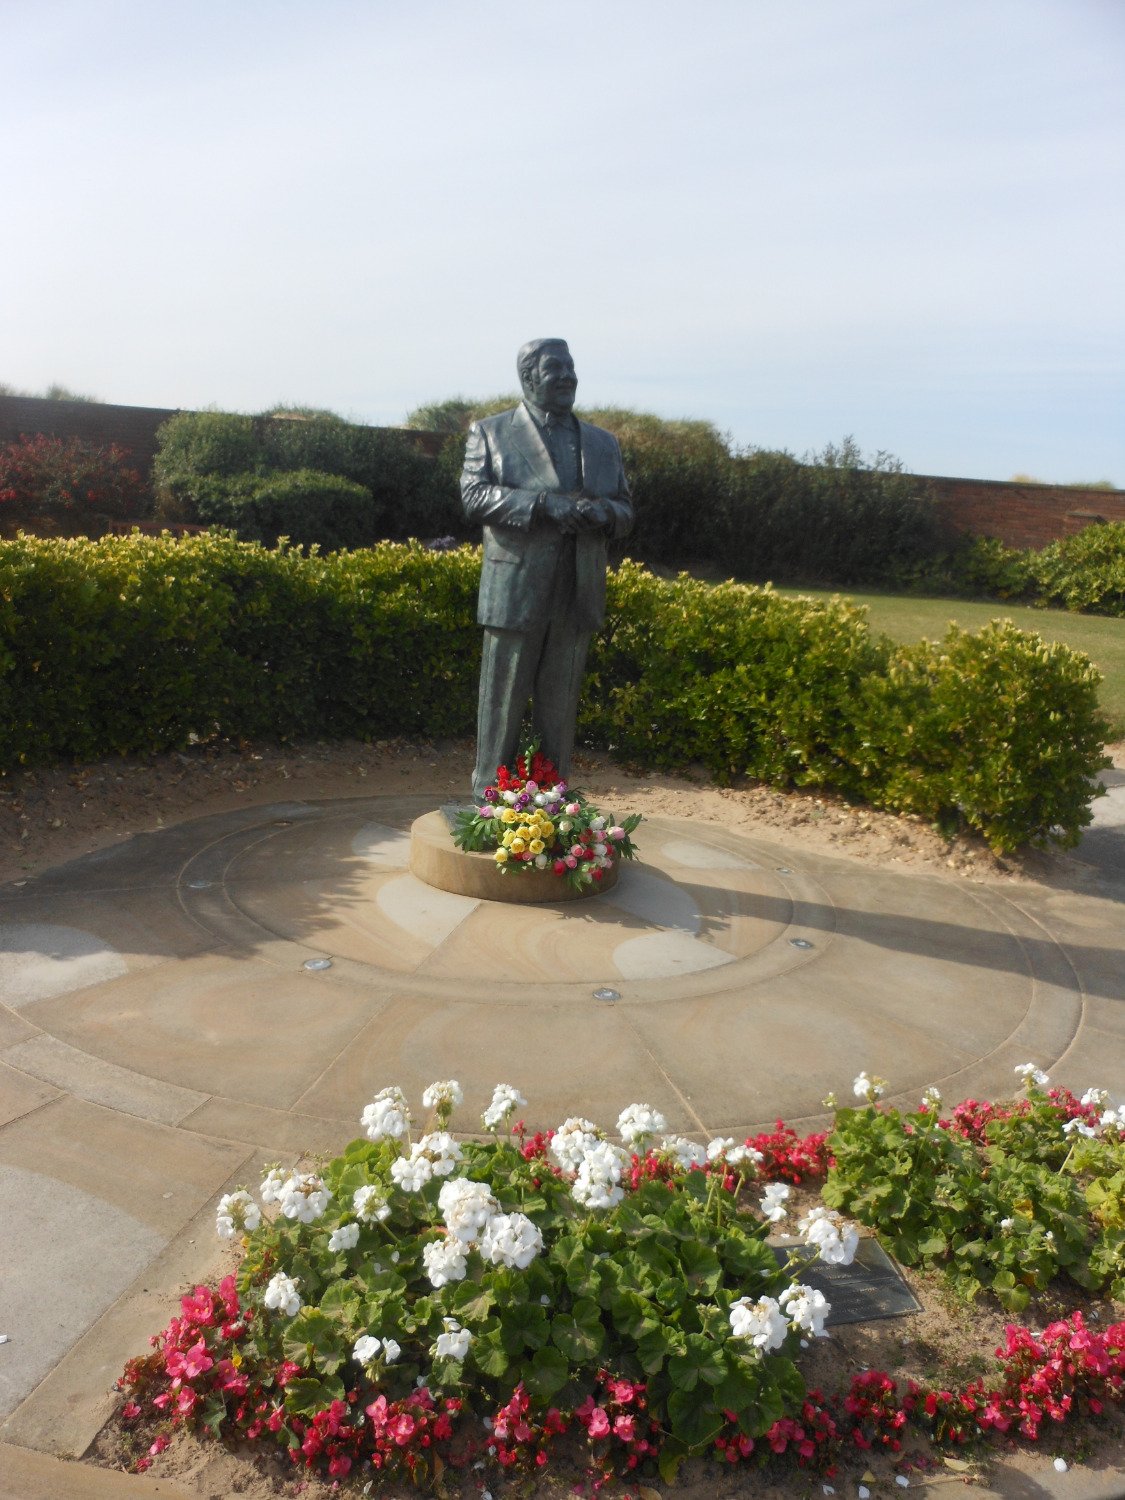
column 545, row 663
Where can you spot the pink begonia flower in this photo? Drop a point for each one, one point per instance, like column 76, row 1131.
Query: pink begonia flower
column 599, row 1423
column 401, row 1428
column 198, row 1307
column 623, row 1426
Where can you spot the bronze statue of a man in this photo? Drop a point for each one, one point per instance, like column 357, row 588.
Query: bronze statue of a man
column 550, row 492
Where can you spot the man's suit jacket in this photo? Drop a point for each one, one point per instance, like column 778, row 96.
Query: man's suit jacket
column 507, row 467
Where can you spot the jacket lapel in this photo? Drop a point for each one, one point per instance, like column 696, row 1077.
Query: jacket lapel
column 525, row 437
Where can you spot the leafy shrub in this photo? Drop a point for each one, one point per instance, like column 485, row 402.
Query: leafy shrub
column 303, row 505
column 456, row 414
column 64, row 479
column 200, row 444
column 833, row 518
column 678, row 472
column 1008, row 1207
column 1084, row 572
column 135, row 643
column 413, row 494
column 975, row 567
column 998, row 730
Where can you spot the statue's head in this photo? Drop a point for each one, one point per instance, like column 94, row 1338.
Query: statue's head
column 547, row 376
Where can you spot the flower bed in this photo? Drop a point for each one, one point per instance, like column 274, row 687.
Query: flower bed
column 426, row 1305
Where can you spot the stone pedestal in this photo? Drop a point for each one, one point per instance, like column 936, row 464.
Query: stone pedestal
column 436, row 859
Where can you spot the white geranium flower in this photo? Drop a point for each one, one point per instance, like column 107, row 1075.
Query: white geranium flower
column 1113, row 1119
column 282, row 1296
column 598, row 1183
column 365, row 1349
column 761, row 1323
column 344, row 1238
column 1032, row 1075
column 444, row 1261
column 773, row 1200
column 387, row 1117
column 931, row 1098
column 1077, row 1126
column 869, row 1088
column 304, row 1198
column 453, row 1343
column 638, row 1123
column 571, row 1141
column 836, row 1240
column 237, row 1213
column 510, row 1240
column 272, row 1184
column 443, row 1097
column 369, row 1205
column 1007, row 1224
column 687, row 1153
column 391, row 1350
column 466, row 1207
column 806, row 1309
column 726, row 1148
column 411, row 1173
column 1099, row 1098
column 442, row 1150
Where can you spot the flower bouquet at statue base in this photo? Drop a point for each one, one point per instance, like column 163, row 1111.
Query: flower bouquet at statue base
column 531, row 820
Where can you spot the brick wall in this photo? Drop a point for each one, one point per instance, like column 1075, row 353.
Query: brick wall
column 134, row 427
column 1022, row 515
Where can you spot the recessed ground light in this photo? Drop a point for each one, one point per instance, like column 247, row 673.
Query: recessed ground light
column 607, row 995
column 799, row 943
column 784, row 870
column 200, row 885
column 317, row 963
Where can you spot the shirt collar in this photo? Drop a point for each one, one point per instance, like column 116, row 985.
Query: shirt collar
column 543, row 418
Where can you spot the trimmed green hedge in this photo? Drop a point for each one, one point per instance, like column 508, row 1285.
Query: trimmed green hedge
column 310, row 508
column 139, row 643
column 208, row 458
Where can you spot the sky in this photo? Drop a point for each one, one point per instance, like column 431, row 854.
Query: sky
column 899, row 220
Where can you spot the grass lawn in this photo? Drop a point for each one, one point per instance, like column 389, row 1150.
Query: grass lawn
column 907, row 618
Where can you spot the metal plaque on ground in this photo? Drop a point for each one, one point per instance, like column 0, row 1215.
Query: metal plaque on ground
column 870, row 1288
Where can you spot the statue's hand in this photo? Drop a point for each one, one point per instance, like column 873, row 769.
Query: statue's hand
column 595, row 515
column 562, row 511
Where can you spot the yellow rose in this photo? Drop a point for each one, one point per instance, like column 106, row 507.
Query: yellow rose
column 517, row 846
column 536, row 846
column 501, row 856
column 509, row 815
